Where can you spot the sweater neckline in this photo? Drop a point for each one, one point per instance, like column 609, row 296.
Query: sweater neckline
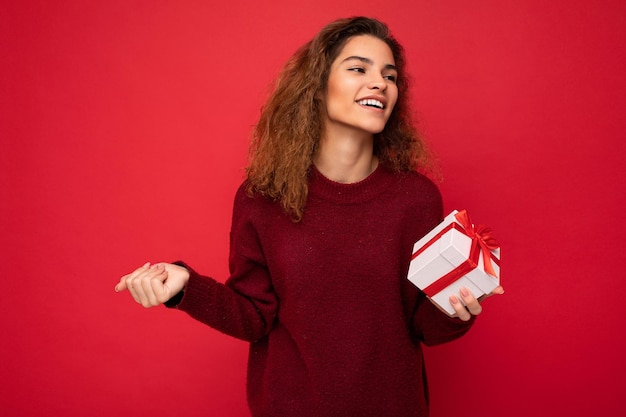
column 368, row 188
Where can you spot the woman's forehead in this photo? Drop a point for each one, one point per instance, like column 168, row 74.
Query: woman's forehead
column 366, row 47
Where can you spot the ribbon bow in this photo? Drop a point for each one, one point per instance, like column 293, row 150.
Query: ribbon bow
column 483, row 236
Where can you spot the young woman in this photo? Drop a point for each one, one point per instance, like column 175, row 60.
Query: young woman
column 322, row 233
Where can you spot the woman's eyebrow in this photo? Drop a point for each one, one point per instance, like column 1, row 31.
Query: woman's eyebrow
column 367, row 61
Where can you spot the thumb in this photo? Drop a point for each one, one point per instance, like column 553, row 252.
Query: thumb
column 498, row 290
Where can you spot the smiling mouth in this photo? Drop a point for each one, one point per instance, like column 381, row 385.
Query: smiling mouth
column 371, row 103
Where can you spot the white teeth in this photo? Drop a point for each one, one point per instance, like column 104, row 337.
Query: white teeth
column 371, row 102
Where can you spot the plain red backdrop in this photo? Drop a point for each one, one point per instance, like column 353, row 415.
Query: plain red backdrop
column 124, row 128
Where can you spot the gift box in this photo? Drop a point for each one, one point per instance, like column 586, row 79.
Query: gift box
column 455, row 254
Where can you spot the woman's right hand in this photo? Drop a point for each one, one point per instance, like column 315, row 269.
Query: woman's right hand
column 152, row 285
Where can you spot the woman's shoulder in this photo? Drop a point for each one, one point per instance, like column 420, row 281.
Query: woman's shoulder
column 246, row 195
column 252, row 203
column 414, row 181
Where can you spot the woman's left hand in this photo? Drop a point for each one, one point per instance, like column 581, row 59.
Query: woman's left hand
column 472, row 305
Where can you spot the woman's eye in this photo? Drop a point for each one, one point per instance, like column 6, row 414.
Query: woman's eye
column 357, row 69
column 391, row 78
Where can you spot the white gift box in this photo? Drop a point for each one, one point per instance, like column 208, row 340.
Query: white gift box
column 452, row 256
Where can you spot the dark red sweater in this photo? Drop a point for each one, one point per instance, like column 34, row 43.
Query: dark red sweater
column 334, row 325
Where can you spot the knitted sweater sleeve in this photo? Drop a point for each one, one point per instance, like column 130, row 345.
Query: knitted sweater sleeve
column 433, row 327
column 246, row 305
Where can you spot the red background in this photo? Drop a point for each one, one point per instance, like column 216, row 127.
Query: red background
column 124, row 129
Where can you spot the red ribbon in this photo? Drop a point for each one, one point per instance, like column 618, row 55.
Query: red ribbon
column 482, row 239
column 483, row 235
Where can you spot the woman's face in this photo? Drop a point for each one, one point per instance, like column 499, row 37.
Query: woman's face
column 361, row 90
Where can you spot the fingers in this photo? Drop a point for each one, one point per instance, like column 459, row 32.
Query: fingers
column 468, row 308
column 459, row 308
column 121, row 286
column 471, row 303
column 145, row 285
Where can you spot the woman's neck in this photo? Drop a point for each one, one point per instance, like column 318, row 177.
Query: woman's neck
column 347, row 158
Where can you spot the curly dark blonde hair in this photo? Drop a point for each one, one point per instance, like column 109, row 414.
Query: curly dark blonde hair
column 287, row 135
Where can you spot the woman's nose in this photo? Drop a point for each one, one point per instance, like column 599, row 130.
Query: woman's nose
column 377, row 83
